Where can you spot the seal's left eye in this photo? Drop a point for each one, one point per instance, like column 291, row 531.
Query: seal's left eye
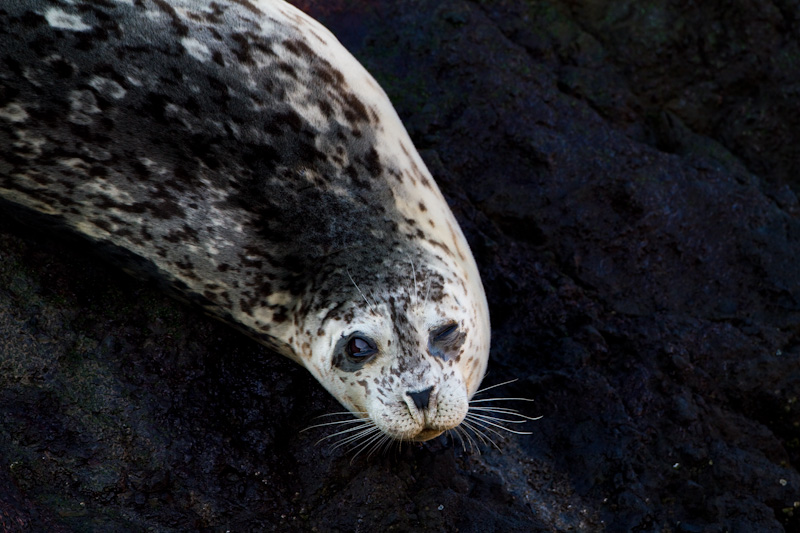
column 445, row 332
column 359, row 349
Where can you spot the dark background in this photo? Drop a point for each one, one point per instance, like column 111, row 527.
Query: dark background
column 626, row 173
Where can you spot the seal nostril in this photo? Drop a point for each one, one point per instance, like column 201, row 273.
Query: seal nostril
column 421, row 398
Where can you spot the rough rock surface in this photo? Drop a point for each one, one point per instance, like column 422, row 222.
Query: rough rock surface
column 626, row 173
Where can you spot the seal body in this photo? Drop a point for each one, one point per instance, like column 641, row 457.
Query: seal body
column 236, row 151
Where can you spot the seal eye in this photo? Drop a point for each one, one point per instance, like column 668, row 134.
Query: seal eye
column 360, row 349
column 445, row 340
column 444, row 333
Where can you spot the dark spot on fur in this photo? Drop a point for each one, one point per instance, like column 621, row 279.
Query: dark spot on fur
column 328, row 74
column 249, row 6
column 140, row 169
column 156, row 105
column 98, row 171
column 325, row 108
column 288, row 69
column 355, row 112
column 216, row 56
column 372, row 162
column 32, row 20
column 62, row 68
column 102, row 224
column 243, row 53
column 180, row 28
column 215, row 16
column 298, row 48
column 219, row 94
column 261, row 160
column 184, row 265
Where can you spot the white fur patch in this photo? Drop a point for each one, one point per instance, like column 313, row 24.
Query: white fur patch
column 13, row 113
column 65, row 21
column 107, row 87
column 196, row 49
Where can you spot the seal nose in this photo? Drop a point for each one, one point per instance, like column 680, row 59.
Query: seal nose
column 421, row 398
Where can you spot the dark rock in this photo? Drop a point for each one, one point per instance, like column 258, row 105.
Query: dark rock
column 626, row 175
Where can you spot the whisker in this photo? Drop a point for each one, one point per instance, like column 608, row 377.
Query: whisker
column 482, row 437
column 487, row 427
column 359, row 291
column 472, row 444
column 484, row 422
column 498, row 419
column 366, row 444
column 484, row 400
column 452, row 434
column 334, row 423
column 372, row 294
column 494, row 386
column 379, row 445
column 463, row 437
column 346, row 431
column 506, row 411
column 366, row 432
column 414, row 272
column 342, row 413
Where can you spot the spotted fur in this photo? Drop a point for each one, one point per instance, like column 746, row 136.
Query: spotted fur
column 236, row 151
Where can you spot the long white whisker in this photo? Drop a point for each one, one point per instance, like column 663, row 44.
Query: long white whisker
column 363, row 425
column 483, row 437
column 497, row 419
column 359, row 291
column 483, row 400
column 494, row 386
column 472, row 444
column 372, row 294
column 363, row 434
column 343, row 413
column 504, row 411
column 363, row 446
column 357, row 432
column 487, row 427
column 427, row 293
column 464, row 437
column 414, row 272
column 493, row 409
column 453, row 433
column 335, row 423
column 484, row 423
column 379, row 445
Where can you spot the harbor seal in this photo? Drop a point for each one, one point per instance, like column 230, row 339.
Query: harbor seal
column 236, row 151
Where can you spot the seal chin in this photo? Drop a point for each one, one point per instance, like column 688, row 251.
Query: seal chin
column 427, row 434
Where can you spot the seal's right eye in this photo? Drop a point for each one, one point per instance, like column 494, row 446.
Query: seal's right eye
column 360, row 349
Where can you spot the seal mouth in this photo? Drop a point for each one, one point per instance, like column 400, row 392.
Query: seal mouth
column 427, row 434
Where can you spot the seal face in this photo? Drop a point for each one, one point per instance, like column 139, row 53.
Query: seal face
column 236, row 151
